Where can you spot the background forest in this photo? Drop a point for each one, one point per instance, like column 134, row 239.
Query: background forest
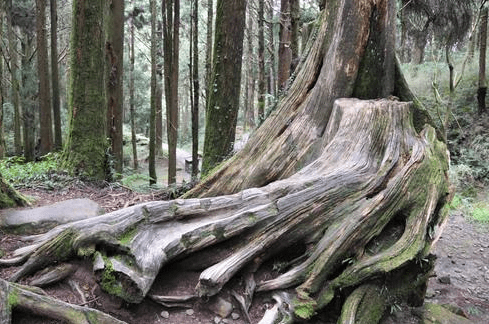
column 441, row 45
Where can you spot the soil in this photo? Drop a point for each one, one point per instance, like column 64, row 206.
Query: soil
column 461, row 274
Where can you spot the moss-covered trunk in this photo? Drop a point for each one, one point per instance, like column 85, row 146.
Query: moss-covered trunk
column 85, row 150
column 225, row 83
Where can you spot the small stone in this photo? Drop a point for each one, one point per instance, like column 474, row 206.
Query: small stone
column 225, row 321
column 217, row 320
column 165, row 314
column 444, row 280
column 189, row 312
column 234, row 316
column 221, row 307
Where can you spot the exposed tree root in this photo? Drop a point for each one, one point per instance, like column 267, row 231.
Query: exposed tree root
column 370, row 205
column 32, row 300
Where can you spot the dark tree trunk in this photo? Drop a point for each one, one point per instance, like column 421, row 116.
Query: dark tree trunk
column 114, row 50
column 196, row 90
column 43, row 72
column 284, row 47
column 132, row 108
column 295, row 16
column 261, row 61
column 171, row 48
column 2, row 93
column 481, row 92
column 58, row 141
column 28, row 94
column 159, row 91
column 361, row 194
column 224, row 92
column 152, row 116
column 208, row 48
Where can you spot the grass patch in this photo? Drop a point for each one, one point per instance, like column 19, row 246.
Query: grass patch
column 480, row 212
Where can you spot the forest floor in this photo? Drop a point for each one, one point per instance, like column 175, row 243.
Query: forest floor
column 461, row 275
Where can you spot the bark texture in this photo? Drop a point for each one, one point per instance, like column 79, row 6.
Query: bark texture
column 85, row 151
column 351, row 53
column 225, row 84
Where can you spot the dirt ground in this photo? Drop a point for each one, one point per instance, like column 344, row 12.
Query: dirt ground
column 462, row 273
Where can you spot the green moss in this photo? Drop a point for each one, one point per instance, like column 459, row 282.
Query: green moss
column 109, row 283
column 13, row 298
column 128, row 235
column 304, row 309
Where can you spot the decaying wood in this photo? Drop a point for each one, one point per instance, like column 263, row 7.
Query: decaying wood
column 26, row 298
column 376, row 173
column 54, row 275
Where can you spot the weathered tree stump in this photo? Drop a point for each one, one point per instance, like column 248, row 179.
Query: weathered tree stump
column 369, row 207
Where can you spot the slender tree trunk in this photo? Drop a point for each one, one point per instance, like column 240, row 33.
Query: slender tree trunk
column 295, row 15
column 28, row 93
column 114, row 50
column 43, row 71
column 152, row 116
column 223, row 103
column 58, row 141
column 196, row 88
column 2, row 93
column 272, row 70
column 13, row 49
column 132, row 108
column 208, row 49
column 171, row 48
column 159, row 91
column 85, row 150
column 284, row 48
column 481, row 92
column 249, row 103
column 261, row 61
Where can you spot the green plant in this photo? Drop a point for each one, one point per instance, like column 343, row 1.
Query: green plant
column 480, row 212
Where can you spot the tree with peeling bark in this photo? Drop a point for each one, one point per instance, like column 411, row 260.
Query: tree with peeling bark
column 344, row 173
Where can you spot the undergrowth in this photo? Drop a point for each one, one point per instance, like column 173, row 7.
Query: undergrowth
column 45, row 173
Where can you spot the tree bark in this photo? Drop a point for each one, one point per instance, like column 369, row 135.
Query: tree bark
column 29, row 91
column 132, row 108
column 261, row 61
column 85, row 151
column 481, row 92
column 152, row 116
column 171, row 48
column 13, row 49
column 223, row 101
column 58, row 141
column 2, row 93
column 196, row 90
column 9, row 197
column 208, row 48
column 43, row 72
column 284, row 47
column 114, row 51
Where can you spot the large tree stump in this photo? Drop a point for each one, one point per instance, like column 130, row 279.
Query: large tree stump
column 369, row 207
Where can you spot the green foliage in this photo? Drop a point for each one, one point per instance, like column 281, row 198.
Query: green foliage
column 45, row 173
column 480, row 212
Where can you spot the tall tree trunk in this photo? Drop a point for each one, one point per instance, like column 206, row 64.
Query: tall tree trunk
column 159, row 91
column 249, row 99
column 85, row 150
column 171, row 48
column 481, row 92
column 223, row 101
column 2, row 93
column 114, row 50
column 196, row 90
column 28, row 93
column 284, row 47
column 132, row 108
column 271, row 71
column 295, row 15
column 261, row 61
column 208, row 49
column 152, row 116
column 13, row 49
column 58, row 140
column 43, row 72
